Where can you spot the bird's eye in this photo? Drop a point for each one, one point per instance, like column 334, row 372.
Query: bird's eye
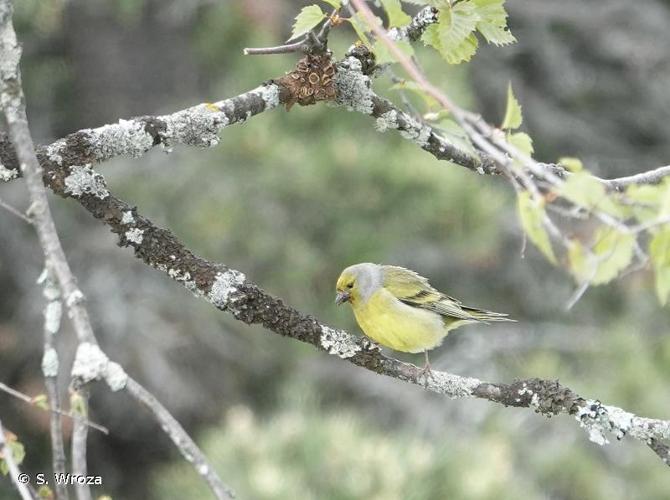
column 350, row 285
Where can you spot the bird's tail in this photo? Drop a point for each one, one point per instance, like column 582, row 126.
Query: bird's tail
column 487, row 316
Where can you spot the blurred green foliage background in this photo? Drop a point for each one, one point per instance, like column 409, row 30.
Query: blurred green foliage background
column 292, row 198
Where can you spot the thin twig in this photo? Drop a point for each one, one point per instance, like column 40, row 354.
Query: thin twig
column 14, row 471
column 31, row 401
column 14, row 211
column 288, row 48
column 50, row 368
column 180, row 438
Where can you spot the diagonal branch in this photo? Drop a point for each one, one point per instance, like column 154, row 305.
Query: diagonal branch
column 229, row 290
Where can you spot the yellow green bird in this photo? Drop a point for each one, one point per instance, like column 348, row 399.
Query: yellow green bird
column 399, row 309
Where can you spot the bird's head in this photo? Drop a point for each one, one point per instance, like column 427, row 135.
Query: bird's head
column 357, row 283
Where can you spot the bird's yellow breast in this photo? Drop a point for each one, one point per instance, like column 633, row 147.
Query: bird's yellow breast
column 394, row 324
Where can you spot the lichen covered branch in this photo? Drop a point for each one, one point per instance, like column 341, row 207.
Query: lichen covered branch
column 229, row 290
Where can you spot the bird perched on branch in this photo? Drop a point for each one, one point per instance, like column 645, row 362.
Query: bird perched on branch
column 399, row 309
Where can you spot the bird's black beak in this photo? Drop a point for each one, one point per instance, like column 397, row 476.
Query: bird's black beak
column 342, row 297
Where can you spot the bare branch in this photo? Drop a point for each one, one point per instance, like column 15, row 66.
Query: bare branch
column 32, row 401
column 651, row 177
column 180, row 438
column 300, row 46
column 14, row 211
column 50, row 367
column 5, row 450
column 90, row 361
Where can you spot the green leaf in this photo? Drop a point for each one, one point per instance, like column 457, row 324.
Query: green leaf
column 45, row 492
column 361, row 28
column 513, row 118
column 532, row 216
column 659, row 250
column 78, row 404
column 383, row 54
column 335, row 4
column 396, row 15
column 307, row 19
column 586, row 191
column 16, row 449
column 611, row 254
column 571, row 163
column 493, row 22
column 522, row 142
column 579, row 262
column 41, row 401
column 453, row 36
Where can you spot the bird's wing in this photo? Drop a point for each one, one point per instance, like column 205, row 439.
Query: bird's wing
column 414, row 290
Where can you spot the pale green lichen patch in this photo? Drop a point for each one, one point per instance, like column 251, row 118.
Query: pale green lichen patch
column 452, row 386
column 115, row 376
column 91, row 363
column 52, row 316
column 6, row 174
column 196, row 126
column 127, row 137
column 53, row 152
column 185, row 279
column 353, row 87
column 50, row 363
column 339, row 343
column 270, row 95
column 84, row 180
column 386, row 121
column 135, row 235
column 416, row 131
column 74, row 298
column 225, row 284
column 127, row 218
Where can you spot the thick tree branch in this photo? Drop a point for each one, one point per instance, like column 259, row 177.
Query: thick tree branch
column 230, row 291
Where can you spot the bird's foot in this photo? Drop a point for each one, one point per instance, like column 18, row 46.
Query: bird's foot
column 425, row 373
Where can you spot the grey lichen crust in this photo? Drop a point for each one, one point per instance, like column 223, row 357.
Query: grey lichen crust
column 600, row 420
column 225, row 284
column 135, row 235
column 84, row 180
column 270, row 95
column 50, row 363
column 127, row 137
column 416, row 131
column 450, row 385
column 6, row 174
column 339, row 343
column 413, row 31
column 196, row 126
column 91, row 363
column 387, row 121
column 353, row 87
